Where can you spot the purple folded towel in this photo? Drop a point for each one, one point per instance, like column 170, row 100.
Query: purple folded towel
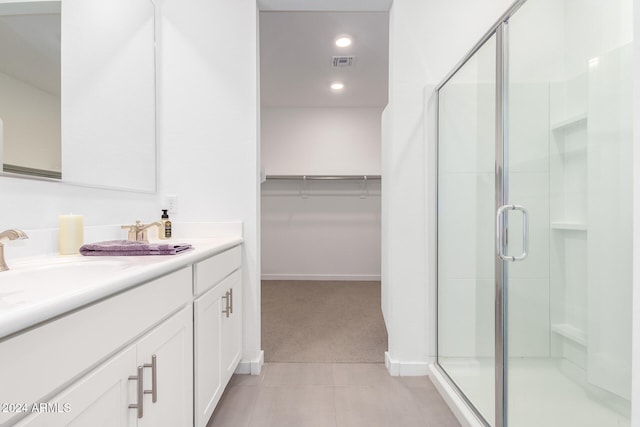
column 129, row 248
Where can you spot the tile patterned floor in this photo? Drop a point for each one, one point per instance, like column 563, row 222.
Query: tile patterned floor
column 330, row 395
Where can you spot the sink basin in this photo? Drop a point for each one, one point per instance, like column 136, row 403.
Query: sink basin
column 46, row 279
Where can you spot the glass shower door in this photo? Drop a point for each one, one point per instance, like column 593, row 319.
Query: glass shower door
column 569, row 163
column 466, row 194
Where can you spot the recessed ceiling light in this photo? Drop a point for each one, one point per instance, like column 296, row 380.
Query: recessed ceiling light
column 337, row 86
column 343, row 41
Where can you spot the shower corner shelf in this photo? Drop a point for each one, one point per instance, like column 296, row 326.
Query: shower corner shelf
column 570, row 332
column 569, row 225
column 569, row 121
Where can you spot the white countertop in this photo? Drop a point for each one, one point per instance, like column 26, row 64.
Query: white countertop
column 37, row 289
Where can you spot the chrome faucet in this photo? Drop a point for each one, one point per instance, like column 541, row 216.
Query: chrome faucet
column 138, row 231
column 9, row 235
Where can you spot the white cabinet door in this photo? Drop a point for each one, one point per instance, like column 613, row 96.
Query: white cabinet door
column 218, row 343
column 208, row 382
column 101, row 398
column 172, row 345
column 231, row 350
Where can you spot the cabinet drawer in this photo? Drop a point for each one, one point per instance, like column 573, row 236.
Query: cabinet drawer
column 38, row 363
column 210, row 272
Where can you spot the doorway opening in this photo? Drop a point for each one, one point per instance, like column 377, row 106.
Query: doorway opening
column 324, row 85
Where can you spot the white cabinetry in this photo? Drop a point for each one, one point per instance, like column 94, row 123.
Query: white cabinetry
column 208, row 378
column 218, row 330
column 231, row 348
column 84, row 368
column 170, row 348
column 44, row 361
column 106, row 393
column 101, row 395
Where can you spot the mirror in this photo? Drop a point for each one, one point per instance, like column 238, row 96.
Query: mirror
column 107, row 132
column 30, row 88
column 108, row 94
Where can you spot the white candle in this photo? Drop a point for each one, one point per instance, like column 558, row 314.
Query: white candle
column 70, row 234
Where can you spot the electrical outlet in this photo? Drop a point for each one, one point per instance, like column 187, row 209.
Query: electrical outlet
column 172, row 204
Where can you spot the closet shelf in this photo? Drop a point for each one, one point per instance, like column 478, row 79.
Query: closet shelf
column 570, row 332
column 305, row 186
column 325, row 177
column 569, row 121
column 569, row 225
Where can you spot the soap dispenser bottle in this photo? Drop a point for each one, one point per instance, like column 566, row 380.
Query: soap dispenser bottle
column 165, row 228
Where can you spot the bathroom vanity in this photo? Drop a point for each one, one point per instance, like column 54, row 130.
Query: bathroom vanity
column 128, row 341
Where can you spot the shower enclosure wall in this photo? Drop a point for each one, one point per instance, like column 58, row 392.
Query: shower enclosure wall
column 534, row 217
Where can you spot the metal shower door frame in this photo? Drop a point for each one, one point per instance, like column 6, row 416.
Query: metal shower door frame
column 500, row 30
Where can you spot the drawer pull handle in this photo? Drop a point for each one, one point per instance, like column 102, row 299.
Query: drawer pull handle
column 227, row 309
column 231, row 300
column 154, row 378
column 140, row 391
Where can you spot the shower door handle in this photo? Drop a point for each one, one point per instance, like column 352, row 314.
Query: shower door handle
column 500, row 232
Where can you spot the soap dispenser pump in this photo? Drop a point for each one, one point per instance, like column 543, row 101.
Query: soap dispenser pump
column 165, row 229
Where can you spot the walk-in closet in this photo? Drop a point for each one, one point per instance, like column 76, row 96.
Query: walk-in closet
column 324, row 85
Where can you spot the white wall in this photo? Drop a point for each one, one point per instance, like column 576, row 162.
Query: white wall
column 320, row 141
column 208, row 150
column 427, row 38
column 332, row 232
column 31, row 204
column 635, row 371
column 207, row 143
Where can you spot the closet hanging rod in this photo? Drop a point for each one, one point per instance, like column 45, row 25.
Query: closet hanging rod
column 325, row 177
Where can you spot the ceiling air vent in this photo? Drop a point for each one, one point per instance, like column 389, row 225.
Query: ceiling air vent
column 343, row 61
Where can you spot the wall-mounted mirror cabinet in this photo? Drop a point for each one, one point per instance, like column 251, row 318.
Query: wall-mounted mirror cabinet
column 78, row 92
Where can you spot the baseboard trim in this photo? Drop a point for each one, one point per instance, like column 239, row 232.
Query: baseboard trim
column 466, row 417
column 345, row 277
column 253, row 367
column 397, row 368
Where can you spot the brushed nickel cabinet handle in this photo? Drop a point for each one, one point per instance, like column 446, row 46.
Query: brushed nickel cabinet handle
column 140, row 391
column 227, row 309
column 231, row 300
column 154, row 378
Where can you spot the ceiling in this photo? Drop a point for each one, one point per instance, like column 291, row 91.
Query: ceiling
column 296, row 50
